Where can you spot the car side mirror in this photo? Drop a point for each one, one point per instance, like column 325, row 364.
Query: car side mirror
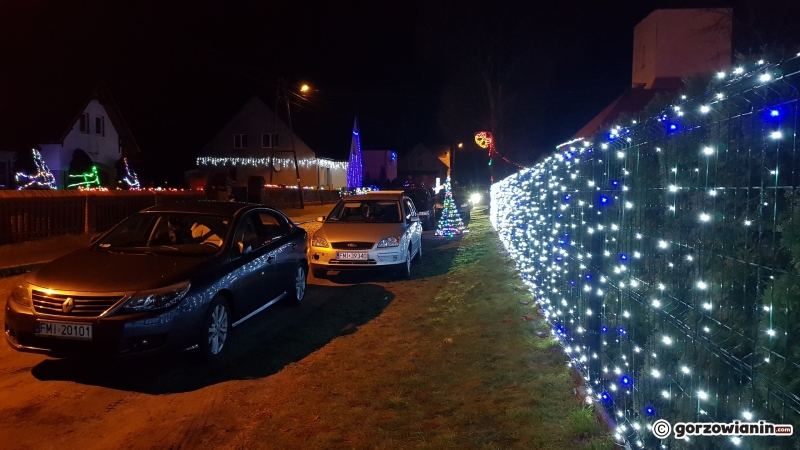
column 321, row 219
column 95, row 239
column 415, row 218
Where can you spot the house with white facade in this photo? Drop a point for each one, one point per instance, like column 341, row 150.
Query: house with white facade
column 90, row 122
column 256, row 143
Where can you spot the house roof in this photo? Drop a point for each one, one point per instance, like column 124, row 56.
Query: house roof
column 631, row 101
column 46, row 114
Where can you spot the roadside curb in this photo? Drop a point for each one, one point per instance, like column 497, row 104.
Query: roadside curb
column 23, row 268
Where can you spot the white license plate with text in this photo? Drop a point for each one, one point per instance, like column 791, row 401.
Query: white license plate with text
column 64, row 330
column 357, row 256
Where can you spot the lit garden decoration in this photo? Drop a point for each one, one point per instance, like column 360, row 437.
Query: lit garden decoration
column 42, row 179
column 666, row 255
column 90, row 180
column 130, row 178
column 450, row 224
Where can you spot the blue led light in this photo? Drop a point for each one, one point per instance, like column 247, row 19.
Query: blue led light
column 673, row 127
column 611, row 136
column 614, row 183
column 606, row 397
column 774, row 113
column 649, row 410
column 603, row 329
column 623, row 257
column 572, row 282
column 604, row 200
column 588, row 276
column 626, row 380
column 567, row 197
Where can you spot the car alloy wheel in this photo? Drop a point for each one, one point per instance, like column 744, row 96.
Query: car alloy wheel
column 300, row 280
column 404, row 271
column 218, row 329
column 215, row 335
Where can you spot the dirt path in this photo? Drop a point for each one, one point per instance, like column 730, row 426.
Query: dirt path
column 173, row 402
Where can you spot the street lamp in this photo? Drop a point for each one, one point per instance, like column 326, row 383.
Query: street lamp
column 304, row 88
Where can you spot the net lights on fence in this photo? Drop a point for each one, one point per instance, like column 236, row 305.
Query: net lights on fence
column 686, row 298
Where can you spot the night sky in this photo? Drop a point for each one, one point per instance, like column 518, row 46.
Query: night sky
column 409, row 70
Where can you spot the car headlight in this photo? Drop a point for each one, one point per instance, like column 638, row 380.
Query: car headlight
column 21, row 295
column 475, row 198
column 157, row 298
column 318, row 241
column 393, row 241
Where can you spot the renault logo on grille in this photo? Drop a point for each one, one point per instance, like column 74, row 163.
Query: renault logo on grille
column 352, row 245
column 68, row 305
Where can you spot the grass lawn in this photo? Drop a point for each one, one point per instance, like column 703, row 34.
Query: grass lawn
column 449, row 363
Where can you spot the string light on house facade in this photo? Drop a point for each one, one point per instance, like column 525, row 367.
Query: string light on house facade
column 635, row 251
column 206, row 161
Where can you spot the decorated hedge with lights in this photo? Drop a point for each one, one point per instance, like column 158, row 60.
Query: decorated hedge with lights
column 666, row 254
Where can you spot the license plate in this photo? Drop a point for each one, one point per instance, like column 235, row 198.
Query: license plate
column 64, row 330
column 358, row 256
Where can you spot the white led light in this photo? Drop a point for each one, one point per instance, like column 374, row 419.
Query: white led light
column 666, row 340
column 656, row 303
column 704, row 109
column 776, row 135
column 747, row 415
column 665, row 394
column 662, row 244
column 720, row 75
column 702, row 395
column 771, row 332
column 702, row 285
column 705, row 217
column 620, row 155
column 765, row 77
column 685, row 370
column 655, row 373
column 708, row 151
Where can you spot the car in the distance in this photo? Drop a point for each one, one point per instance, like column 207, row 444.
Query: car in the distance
column 365, row 232
column 425, row 204
column 171, row 277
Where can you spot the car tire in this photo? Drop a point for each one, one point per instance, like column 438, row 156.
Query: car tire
column 300, row 282
column 404, row 270
column 216, row 331
column 319, row 273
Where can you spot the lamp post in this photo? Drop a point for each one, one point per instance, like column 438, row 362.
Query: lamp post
column 282, row 91
column 453, row 157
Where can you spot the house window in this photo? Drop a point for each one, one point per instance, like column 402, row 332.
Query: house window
column 269, row 140
column 3, row 175
column 100, row 126
column 83, row 123
column 239, row 141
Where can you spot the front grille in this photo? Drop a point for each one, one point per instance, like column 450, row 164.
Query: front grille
column 84, row 305
column 352, row 245
column 337, row 262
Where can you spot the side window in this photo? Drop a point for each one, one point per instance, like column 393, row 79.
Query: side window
column 247, row 234
column 410, row 210
column 273, row 226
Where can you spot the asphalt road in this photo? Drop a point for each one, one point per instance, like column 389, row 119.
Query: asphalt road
column 173, row 401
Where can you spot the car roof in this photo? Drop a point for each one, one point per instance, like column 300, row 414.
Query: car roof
column 219, row 208
column 379, row 195
column 416, row 191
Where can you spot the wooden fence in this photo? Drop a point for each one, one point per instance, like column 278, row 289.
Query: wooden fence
column 27, row 215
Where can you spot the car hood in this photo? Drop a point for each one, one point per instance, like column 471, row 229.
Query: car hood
column 359, row 231
column 98, row 271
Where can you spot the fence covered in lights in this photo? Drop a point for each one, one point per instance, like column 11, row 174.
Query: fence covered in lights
column 666, row 255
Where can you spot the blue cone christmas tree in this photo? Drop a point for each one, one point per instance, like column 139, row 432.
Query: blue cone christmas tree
column 450, row 224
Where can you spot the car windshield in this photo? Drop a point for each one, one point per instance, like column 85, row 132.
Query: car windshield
column 167, row 232
column 373, row 211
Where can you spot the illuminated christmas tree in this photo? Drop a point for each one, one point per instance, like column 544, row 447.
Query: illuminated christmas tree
column 355, row 167
column 450, row 224
column 43, row 178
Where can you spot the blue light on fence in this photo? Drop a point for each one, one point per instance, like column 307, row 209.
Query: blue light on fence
column 606, row 397
column 650, row 411
column 774, row 113
column 673, row 127
column 623, row 257
column 626, row 380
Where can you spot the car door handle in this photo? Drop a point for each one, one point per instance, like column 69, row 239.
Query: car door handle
column 270, row 258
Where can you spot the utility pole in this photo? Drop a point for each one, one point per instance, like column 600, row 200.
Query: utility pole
column 282, row 90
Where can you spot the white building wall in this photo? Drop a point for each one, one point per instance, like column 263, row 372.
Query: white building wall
column 102, row 149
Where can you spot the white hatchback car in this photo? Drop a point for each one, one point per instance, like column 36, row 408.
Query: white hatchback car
column 376, row 230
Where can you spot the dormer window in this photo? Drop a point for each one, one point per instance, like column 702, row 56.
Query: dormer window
column 83, row 123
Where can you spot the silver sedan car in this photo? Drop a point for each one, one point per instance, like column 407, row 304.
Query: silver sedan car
column 376, row 230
